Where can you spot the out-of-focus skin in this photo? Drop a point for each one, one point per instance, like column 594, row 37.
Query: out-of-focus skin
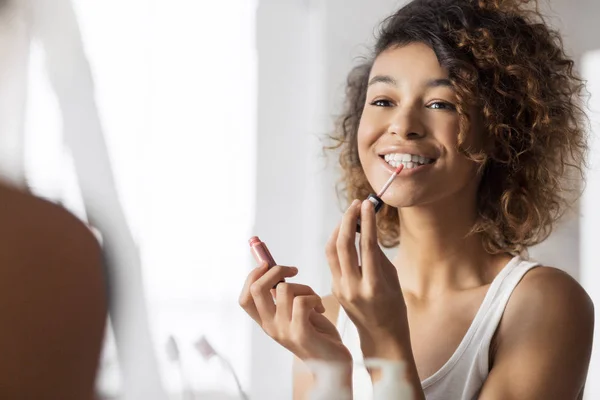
column 53, row 304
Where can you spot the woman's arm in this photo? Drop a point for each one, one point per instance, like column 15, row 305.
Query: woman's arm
column 303, row 380
column 544, row 341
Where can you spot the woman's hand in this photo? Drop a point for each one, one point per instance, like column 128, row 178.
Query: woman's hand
column 370, row 293
column 295, row 318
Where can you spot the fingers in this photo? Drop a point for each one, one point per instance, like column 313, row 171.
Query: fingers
column 302, row 308
column 346, row 248
column 368, row 242
column 245, row 300
column 285, row 295
column 332, row 255
column 260, row 291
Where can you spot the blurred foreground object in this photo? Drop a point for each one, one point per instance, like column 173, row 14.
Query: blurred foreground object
column 52, row 301
column 330, row 380
column 207, row 352
column 174, row 355
column 393, row 384
column 329, row 377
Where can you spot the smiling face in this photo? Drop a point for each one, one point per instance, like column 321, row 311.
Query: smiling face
column 410, row 117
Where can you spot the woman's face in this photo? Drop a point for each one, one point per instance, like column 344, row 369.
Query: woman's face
column 410, row 117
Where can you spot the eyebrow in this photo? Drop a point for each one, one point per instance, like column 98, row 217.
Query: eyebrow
column 383, row 79
column 439, row 82
column 432, row 83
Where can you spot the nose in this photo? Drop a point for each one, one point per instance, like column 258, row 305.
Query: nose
column 406, row 124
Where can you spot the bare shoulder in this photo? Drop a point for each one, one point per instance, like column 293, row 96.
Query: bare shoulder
column 46, row 249
column 52, row 295
column 551, row 295
column 544, row 341
column 38, row 218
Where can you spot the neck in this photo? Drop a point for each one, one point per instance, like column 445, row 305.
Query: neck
column 437, row 252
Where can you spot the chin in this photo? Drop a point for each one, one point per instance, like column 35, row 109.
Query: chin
column 402, row 200
column 402, row 204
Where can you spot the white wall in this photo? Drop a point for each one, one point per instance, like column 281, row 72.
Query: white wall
column 590, row 216
column 282, row 38
column 562, row 249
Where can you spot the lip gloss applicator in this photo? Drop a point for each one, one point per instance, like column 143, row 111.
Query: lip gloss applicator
column 376, row 198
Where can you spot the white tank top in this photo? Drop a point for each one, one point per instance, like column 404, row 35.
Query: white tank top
column 463, row 375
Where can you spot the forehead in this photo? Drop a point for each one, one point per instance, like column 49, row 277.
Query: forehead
column 414, row 62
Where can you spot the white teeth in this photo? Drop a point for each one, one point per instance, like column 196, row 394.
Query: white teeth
column 408, row 160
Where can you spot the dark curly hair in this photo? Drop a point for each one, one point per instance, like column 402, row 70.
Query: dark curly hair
column 506, row 63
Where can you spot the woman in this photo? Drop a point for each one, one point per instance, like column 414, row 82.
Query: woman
column 480, row 103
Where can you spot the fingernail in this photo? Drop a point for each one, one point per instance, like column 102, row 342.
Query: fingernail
column 294, row 269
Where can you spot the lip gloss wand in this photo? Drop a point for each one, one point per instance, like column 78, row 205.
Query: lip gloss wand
column 376, row 198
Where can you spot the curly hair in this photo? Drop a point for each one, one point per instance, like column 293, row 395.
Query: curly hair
column 506, row 63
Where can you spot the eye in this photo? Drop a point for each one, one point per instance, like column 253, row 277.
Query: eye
column 441, row 105
column 381, row 103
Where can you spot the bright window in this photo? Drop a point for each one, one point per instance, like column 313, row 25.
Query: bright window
column 175, row 87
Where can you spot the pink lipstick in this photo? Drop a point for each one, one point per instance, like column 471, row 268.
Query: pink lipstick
column 261, row 254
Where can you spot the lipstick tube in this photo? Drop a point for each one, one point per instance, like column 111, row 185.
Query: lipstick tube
column 262, row 254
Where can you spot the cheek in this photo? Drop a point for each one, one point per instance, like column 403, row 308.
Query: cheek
column 366, row 136
column 448, row 136
column 372, row 125
column 473, row 139
column 447, row 133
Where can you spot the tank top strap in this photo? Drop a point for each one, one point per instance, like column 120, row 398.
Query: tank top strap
column 503, row 288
